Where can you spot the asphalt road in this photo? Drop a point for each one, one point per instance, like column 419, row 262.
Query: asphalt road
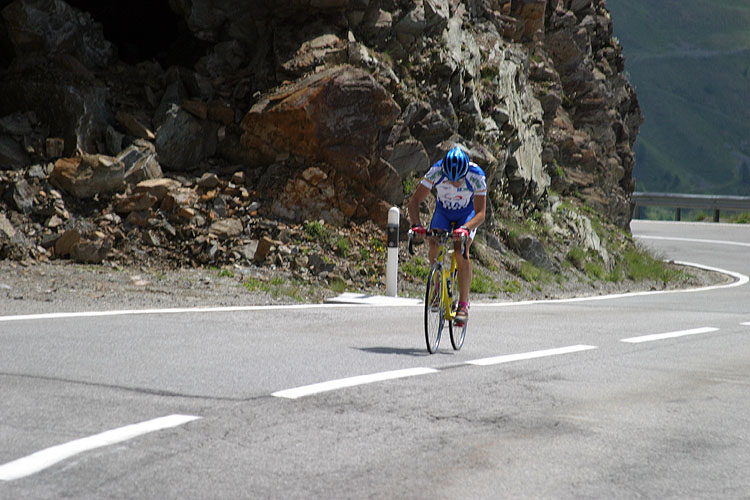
column 642, row 396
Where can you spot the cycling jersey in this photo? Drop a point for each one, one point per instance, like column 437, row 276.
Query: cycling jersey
column 455, row 205
column 456, row 201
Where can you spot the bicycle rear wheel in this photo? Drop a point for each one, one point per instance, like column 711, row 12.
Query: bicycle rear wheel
column 458, row 333
column 434, row 309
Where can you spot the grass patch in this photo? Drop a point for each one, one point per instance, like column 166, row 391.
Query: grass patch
column 511, row 286
column 641, row 265
column 342, row 246
column 594, row 270
column 482, row 283
column 576, row 256
column 529, row 272
column 417, row 268
column 316, row 230
column 277, row 287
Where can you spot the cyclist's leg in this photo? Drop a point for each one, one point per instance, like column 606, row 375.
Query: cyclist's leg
column 465, row 267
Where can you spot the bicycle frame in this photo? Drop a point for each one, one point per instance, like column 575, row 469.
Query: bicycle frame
column 446, row 298
column 443, row 239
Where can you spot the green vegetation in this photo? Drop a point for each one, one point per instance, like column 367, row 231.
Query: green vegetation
column 278, row 287
column 689, row 63
column 343, row 246
column 316, row 230
column 417, row 268
column 641, row 265
column 410, row 184
column 511, row 286
column 482, row 283
column 576, row 256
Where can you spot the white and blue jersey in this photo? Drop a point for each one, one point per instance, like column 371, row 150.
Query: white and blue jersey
column 454, row 203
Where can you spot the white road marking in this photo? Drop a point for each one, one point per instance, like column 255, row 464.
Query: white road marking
column 746, row 324
column 43, row 459
column 693, row 240
column 530, row 355
column 741, row 280
column 178, row 310
column 668, row 335
column 331, row 385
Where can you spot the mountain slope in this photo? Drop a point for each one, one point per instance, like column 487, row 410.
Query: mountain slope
column 690, row 63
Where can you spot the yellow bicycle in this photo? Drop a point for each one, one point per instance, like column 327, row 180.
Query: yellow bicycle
column 439, row 304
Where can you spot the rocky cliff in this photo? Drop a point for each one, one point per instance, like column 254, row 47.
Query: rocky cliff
column 195, row 129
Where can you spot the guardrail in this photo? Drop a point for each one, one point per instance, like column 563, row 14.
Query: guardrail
column 680, row 201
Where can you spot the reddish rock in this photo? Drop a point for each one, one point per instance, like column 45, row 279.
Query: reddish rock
column 88, row 175
column 336, row 116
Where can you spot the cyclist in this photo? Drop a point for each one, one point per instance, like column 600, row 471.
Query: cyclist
column 461, row 190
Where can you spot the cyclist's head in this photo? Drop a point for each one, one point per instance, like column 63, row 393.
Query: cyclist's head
column 455, row 164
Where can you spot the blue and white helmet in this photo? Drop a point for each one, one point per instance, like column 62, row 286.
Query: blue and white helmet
column 455, row 164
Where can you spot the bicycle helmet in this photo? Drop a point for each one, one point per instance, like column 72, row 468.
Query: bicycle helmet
column 455, row 164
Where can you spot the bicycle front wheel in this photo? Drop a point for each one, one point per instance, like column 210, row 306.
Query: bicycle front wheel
column 434, row 308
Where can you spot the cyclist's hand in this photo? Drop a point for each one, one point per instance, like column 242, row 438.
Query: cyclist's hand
column 419, row 233
column 460, row 233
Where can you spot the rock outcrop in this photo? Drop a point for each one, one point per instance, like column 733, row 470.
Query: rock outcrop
column 300, row 110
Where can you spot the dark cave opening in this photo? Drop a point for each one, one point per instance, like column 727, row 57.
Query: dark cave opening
column 143, row 30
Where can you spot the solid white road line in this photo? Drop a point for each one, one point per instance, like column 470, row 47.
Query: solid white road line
column 746, row 324
column 530, row 355
column 668, row 335
column 178, row 310
column 331, row 385
column 43, row 459
column 693, row 240
column 741, row 279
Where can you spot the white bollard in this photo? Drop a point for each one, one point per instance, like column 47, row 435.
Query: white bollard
column 391, row 270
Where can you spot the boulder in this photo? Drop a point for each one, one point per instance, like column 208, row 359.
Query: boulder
column 531, row 14
column 12, row 154
column 226, row 228
column 409, row 156
column 140, row 163
column 336, row 116
column 158, row 188
column 7, row 231
column 20, row 195
column 183, row 141
column 87, row 175
column 298, row 50
column 91, row 251
column 54, row 27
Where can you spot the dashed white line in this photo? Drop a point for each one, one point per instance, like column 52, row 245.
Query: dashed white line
column 331, row 385
column 530, row 355
column 43, row 459
column 668, row 335
column 746, row 323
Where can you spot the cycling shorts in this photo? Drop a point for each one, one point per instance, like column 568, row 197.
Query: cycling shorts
column 442, row 219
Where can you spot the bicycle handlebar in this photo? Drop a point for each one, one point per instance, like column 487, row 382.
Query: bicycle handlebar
column 437, row 233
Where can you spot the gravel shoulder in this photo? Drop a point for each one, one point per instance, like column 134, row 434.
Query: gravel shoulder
column 63, row 286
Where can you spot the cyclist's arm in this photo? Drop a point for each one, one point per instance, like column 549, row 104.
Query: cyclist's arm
column 418, row 197
column 480, row 210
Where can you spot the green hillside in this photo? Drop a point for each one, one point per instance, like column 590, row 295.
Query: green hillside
column 689, row 61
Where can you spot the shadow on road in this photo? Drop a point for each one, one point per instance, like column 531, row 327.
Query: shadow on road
column 395, row 350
